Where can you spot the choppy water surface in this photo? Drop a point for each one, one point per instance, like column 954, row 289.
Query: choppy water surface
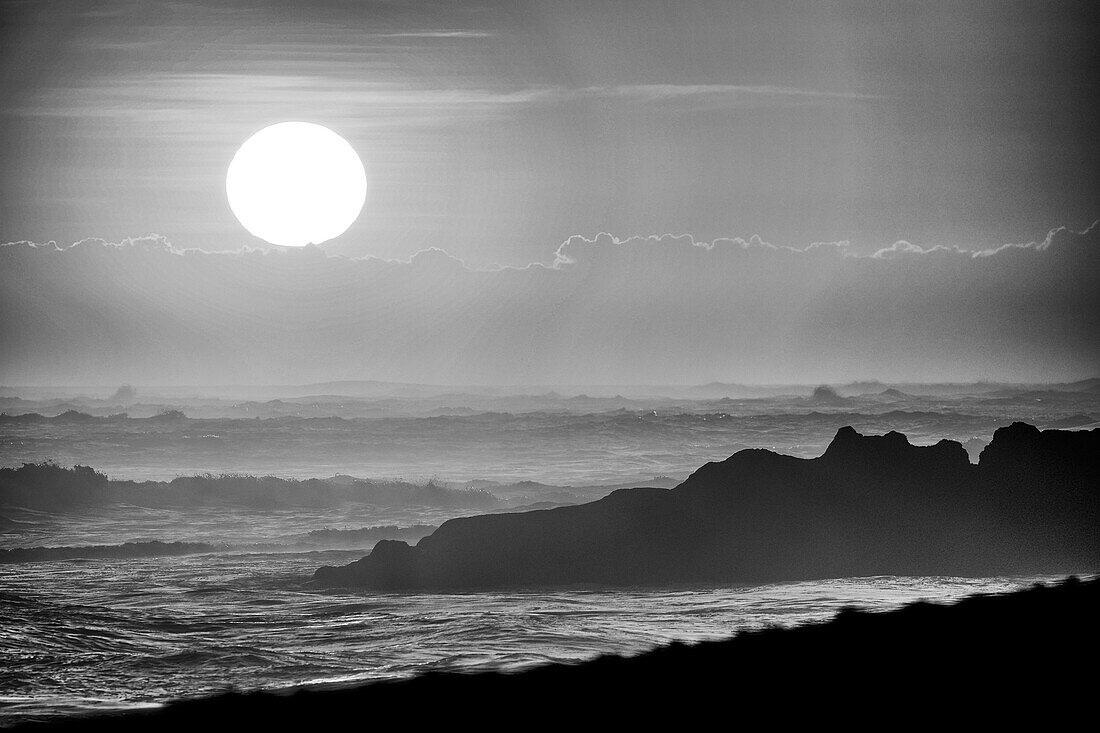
column 97, row 634
column 557, row 448
column 82, row 635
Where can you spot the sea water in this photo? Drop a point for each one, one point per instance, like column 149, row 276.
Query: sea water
column 83, row 635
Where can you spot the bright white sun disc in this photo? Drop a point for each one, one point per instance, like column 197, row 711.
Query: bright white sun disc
column 296, row 183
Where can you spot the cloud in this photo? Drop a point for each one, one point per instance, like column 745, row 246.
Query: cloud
column 1063, row 236
column 653, row 309
column 181, row 99
column 717, row 95
column 901, row 248
column 437, row 34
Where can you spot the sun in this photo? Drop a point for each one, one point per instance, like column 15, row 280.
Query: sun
column 296, row 183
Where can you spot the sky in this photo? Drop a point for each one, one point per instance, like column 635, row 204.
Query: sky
column 504, row 134
column 497, row 130
column 661, row 310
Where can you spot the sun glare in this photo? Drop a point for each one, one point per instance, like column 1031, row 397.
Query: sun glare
column 296, row 183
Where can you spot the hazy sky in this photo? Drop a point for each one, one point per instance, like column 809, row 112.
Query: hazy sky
column 496, row 130
column 641, row 311
column 795, row 192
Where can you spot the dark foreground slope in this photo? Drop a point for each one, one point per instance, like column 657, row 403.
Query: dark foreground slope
column 870, row 505
column 1025, row 658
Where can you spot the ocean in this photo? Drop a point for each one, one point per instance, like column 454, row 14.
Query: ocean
column 558, row 447
column 82, row 635
column 87, row 635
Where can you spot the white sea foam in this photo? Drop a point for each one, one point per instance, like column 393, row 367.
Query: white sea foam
column 114, row 634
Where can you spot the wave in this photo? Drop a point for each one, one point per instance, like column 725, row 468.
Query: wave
column 154, row 548
column 568, row 450
column 357, row 538
column 342, row 537
column 46, row 485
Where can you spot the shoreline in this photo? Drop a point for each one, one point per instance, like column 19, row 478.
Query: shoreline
column 985, row 658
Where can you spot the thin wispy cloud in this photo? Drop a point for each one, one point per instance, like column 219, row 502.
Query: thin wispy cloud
column 166, row 96
column 438, row 34
column 729, row 94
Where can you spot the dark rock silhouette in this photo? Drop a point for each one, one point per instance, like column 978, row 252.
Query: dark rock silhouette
column 826, row 395
column 870, row 505
column 1020, row 658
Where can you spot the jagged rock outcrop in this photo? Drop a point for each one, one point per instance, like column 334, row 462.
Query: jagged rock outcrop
column 870, row 505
